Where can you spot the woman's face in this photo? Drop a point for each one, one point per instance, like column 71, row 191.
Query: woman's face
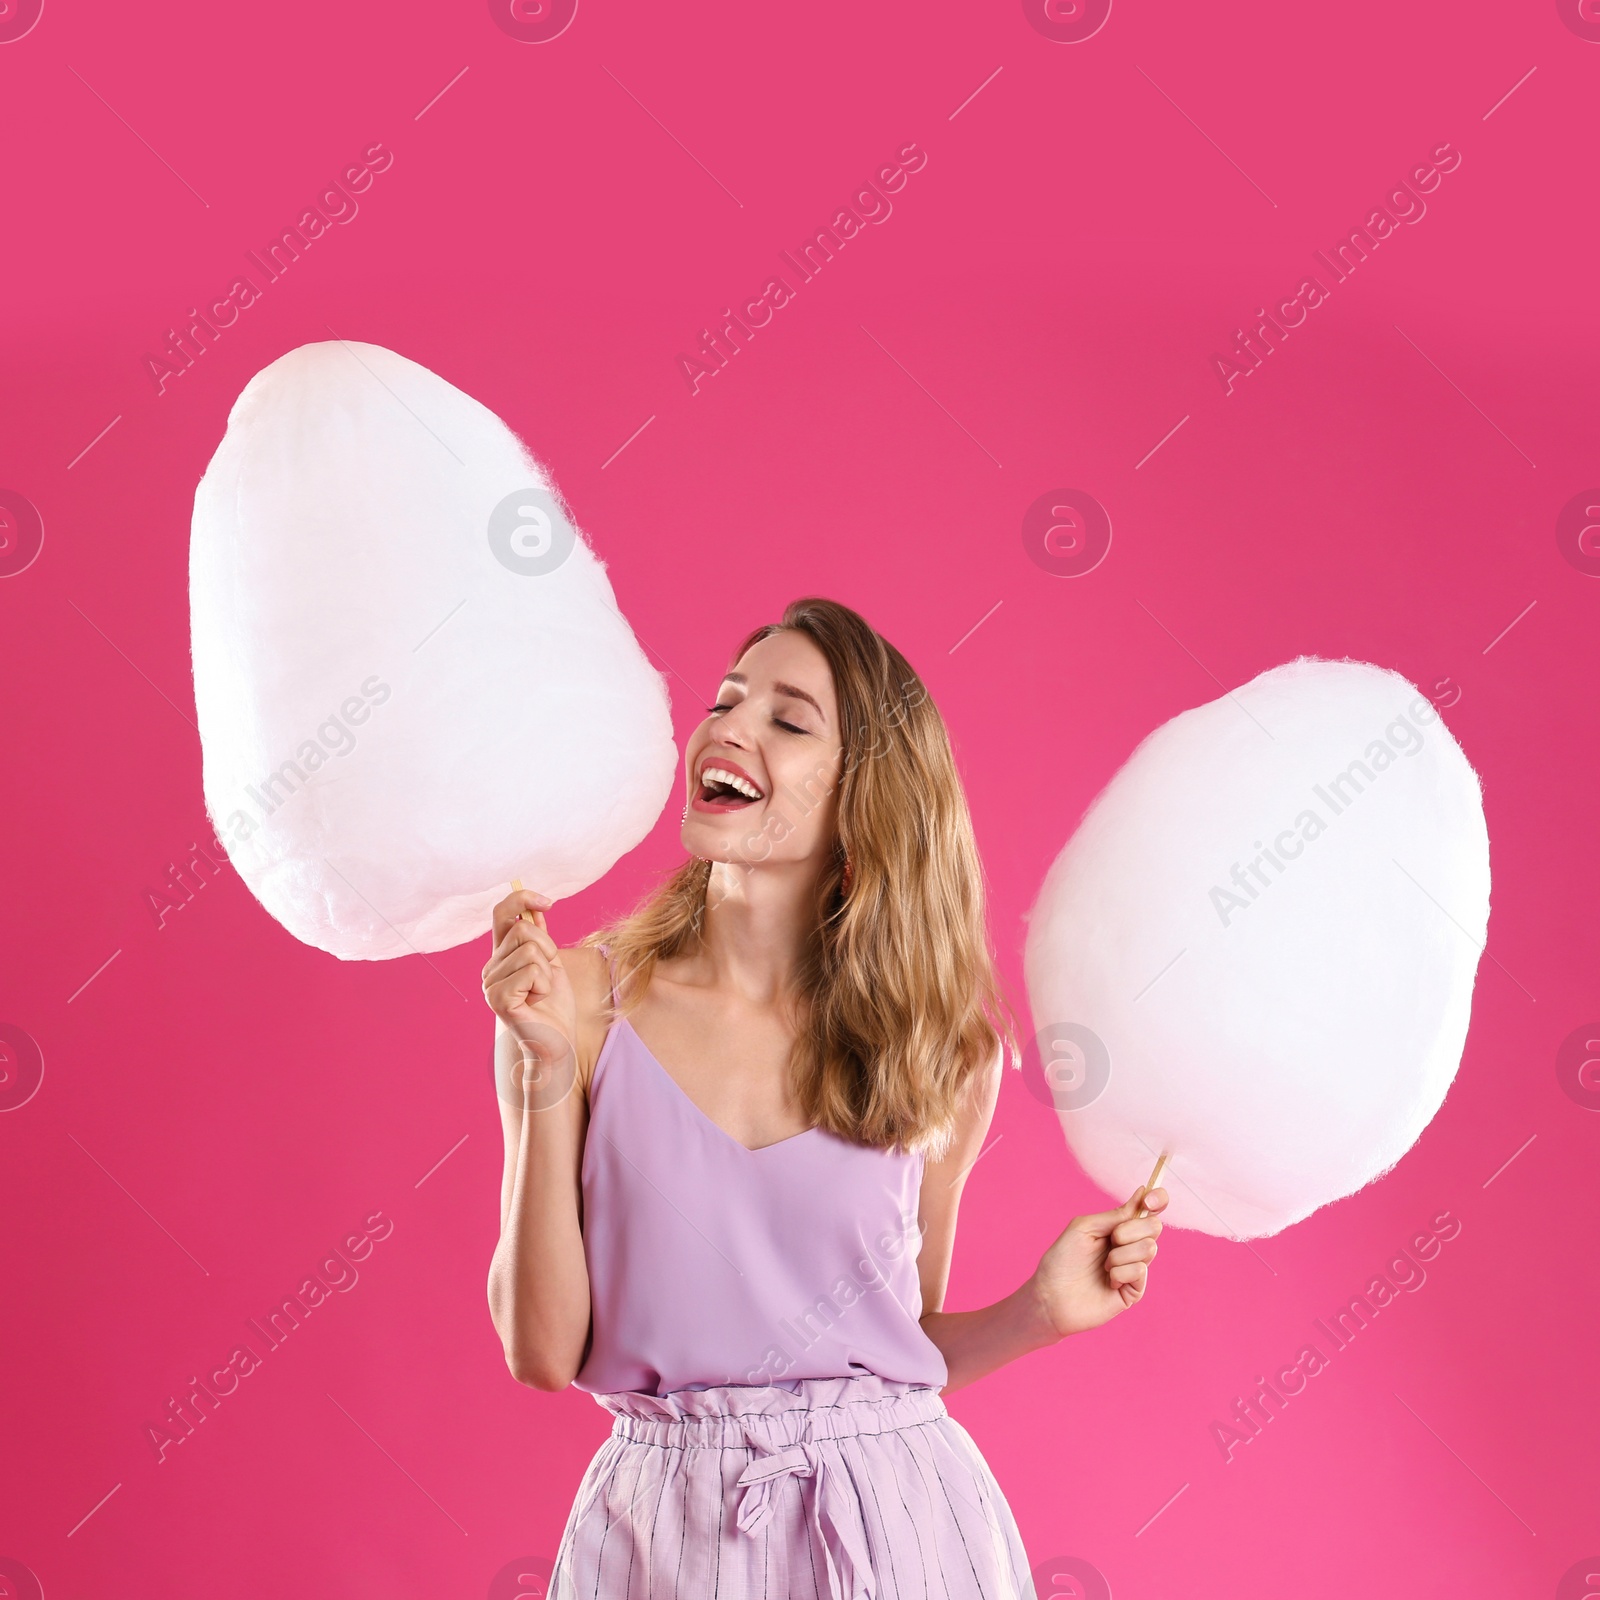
column 763, row 768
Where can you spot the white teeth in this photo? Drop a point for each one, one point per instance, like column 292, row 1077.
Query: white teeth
column 733, row 781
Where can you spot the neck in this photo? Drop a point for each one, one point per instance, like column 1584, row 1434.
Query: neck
column 757, row 922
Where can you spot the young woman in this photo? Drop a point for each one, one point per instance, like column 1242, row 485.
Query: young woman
column 737, row 1126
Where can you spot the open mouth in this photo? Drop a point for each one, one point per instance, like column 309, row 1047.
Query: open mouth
column 722, row 789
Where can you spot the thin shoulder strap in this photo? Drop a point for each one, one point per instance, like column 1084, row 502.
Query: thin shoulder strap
column 611, row 974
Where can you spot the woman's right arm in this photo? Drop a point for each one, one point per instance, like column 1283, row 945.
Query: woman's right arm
column 547, row 1006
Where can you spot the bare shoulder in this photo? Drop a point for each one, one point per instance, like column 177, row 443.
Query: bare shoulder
column 591, row 991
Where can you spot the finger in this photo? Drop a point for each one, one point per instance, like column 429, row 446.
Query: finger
column 533, row 931
column 543, row 899
column 1137, row 1228
column 503, row 915
column 512, row 996
column 1100, row 1223
column 519, row 903
column 516, row 959
column 521, row 907
column 1134, row 1274
column 519, row 938
column 523, row 970
column 1131, row 1254
column 515, row 935
column 534, row 934
column 530, row 929
column 542, row 937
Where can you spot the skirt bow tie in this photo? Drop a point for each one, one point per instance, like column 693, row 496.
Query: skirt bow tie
column 832, row 1511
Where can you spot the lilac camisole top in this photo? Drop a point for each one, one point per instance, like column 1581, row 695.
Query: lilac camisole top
column 711, row 1263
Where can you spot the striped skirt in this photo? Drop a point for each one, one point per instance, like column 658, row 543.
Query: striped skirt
column 818, row 1489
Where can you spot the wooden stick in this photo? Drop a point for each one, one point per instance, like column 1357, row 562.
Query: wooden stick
column 1155, row 1173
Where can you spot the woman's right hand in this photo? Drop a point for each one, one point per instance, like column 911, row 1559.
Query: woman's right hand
column 539, row 1278
column 528, row 989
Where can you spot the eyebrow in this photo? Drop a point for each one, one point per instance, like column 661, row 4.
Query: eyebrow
column 782, row 688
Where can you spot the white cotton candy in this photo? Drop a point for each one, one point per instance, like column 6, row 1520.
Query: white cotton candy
column 1288, row 1036
column 412, row 680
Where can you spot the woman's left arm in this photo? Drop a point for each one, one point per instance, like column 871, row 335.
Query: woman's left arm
column 1097, row 1268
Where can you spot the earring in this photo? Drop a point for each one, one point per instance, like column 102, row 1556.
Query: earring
column 845, row 877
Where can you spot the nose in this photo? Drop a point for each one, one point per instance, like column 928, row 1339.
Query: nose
column 729, row 728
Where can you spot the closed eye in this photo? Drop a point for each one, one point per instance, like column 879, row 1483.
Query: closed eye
column 788, row 727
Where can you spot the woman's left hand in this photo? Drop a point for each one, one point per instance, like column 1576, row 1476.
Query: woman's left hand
column 1100, row 1264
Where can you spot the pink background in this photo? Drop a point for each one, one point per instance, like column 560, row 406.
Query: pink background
column 220, row 1106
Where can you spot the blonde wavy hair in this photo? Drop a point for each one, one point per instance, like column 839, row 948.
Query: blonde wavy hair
column 898, row 999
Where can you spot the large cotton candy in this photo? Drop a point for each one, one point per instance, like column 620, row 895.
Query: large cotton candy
column 412, row 680
column 1286, row 1037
